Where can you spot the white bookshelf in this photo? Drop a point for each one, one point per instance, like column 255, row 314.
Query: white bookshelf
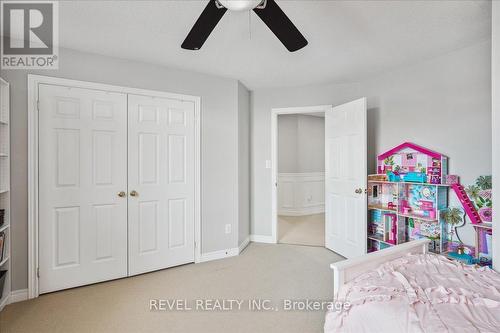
column 5, row 262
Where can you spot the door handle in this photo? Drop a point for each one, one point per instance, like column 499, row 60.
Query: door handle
column 358, row 191
column 134, row 193
column 122, row 194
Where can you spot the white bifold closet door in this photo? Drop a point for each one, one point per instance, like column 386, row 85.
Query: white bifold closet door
column 116, row 185
column 82, row 168
column 161, row 183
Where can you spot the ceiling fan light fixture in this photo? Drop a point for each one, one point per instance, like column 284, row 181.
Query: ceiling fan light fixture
column 267, row 10
column 240, row 5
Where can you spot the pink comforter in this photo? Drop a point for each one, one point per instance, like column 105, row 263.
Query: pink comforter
column 420, row 293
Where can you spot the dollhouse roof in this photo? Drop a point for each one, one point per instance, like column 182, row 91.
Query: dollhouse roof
column 410, row 145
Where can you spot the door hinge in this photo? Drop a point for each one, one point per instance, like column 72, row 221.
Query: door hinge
column 38, row 272
column 38, row 105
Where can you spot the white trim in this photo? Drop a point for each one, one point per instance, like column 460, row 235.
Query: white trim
column 303, row 175
column 14, row 297
column 33, row 82
column 215, row 255
column 302, row 109
column 32, row 188
column 274, row 158
column 18, row 296
column 5, row 302
column 303, row 211
column 244, row 244
column 262, row 239
column 347, row 270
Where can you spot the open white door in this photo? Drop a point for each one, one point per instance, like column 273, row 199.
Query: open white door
column 345, row 178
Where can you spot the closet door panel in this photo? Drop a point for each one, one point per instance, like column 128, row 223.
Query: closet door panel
column 161, row 172
column 82, row 168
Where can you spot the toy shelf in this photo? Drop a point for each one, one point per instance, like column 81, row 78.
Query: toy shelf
column 416, row 217
column 412, row 183
column 392, row 196
column 483, row 234
column 382, row 208
column 378, row 238
column 407, row 196
column 483, row 225
column 403, row 182
column 417, row 208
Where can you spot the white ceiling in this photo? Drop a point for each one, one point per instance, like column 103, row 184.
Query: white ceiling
column 348, row 40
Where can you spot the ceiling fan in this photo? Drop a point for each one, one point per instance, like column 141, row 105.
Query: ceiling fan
column 268, row 11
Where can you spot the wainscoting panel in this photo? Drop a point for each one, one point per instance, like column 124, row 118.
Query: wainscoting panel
column 301, row 193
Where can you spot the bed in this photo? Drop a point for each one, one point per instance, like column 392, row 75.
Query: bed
column 406, row 289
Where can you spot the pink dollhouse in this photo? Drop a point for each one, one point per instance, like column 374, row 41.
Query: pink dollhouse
column 409, row 157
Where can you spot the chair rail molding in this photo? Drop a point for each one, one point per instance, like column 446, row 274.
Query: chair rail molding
column 301, row 193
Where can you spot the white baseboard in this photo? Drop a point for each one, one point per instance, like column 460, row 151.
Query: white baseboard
column 262, row 239
column 4, row 303
column 209, row 256
column 320, row 209
column 215, row 255
column 244, row 244
column 18, row 295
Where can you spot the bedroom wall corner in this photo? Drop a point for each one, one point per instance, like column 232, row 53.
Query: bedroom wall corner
column 495, row 94
column 243, row 232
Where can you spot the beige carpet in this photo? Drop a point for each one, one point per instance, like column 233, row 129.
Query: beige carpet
column 262, row 271
column 302, row 230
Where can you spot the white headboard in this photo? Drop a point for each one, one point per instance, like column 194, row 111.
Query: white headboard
column 346, row 270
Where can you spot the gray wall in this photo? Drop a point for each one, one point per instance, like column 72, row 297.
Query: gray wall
column 219, row 136
column 496, row 127
column 443, row 103
column 311, row 143
column 263, row 100
column 243, row 163
column 301, row 143
column 287, row 143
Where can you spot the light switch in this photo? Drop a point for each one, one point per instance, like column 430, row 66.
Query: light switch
column 268, row 164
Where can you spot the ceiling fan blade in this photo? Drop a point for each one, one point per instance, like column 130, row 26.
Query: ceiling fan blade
column 205, row 24
column 281, row 26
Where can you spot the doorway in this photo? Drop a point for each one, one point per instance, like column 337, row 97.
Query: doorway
column 298, row 205
column 301, row 179
column 345, row 175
